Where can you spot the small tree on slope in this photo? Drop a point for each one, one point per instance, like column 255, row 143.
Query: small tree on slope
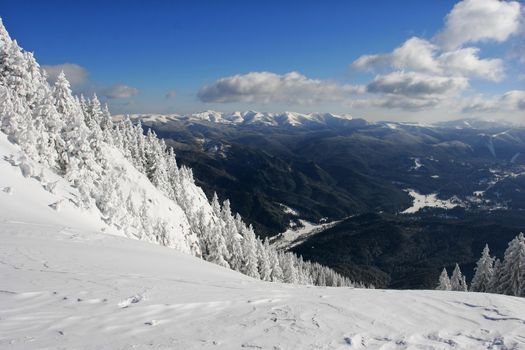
column 457, row 281
column 483, row 272
column 444, row 281
column 512, row 274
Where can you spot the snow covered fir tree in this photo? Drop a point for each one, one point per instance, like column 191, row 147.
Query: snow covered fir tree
column 77, row 138
column 492, row 275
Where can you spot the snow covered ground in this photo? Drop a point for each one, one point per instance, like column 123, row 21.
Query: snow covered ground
column 421, row 201
column 70, row 288
column 66, row 282
column 296, row 235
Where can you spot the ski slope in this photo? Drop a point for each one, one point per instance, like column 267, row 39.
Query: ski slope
column 66, row 282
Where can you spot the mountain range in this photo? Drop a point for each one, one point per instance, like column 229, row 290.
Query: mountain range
column 328, row 168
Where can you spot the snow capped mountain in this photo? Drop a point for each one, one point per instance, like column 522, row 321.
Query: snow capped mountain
column 285, row 119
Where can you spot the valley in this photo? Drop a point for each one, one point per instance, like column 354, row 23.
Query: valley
column 386, row 174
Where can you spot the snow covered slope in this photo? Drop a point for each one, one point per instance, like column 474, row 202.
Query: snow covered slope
column 66, row 284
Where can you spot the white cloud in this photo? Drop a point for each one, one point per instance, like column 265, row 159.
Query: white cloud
column 266, row 87
column 415, row 53
column 120, row 91
column 511, row 101
column 414, row 84
column 473, row 21
column 466, row 62
column 171, row 94
column 76, row 74
column 414, row 91
column 78, row 77
column 420, row 55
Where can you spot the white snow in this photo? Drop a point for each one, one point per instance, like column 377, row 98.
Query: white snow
column 421, row 201
column 288, row 210
column 71, row 288
column 68, row 284
column 417, row 164
column 295, row 235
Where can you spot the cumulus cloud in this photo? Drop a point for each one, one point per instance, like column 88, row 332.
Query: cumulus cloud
column 511, row 101
column 171, row 94
column 466, row 62
column 415, row 53
column 414, row 91
column 420, row 55
column 422, row 73
column 266, row 87
column 76, row 74
column 120, row 91
column 473, row 21
column 416, row 85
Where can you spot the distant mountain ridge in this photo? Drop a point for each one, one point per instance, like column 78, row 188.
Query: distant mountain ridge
column 307, row 120
column 254, row 118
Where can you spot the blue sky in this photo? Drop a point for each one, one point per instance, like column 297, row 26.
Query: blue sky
column 283, row 55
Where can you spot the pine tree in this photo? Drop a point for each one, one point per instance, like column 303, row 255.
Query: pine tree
column 217, row 249
column 512, row 275
column 495, row 283
column 289, row 270
column 444, row 281
column 265, row 270
column 483, row 272
column 250, row 267
column 277, row 272
column 457, row 281
column 74, row 133
column 106, row 124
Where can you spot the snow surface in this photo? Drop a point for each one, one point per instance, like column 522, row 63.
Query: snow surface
column 417, row 164
column 288, row 210
column 66, row 283
column 420, row 201
column 296, row 234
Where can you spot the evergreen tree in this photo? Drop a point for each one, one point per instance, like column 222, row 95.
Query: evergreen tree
column 512, row 275
column 444, row 281
column 74, row 132
column 289, row 270
column 277, row 272
column 265, row 270
column 457, row 281
column 217, row 250
column 495, row 283
column 250, row 267
column 483, row 272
